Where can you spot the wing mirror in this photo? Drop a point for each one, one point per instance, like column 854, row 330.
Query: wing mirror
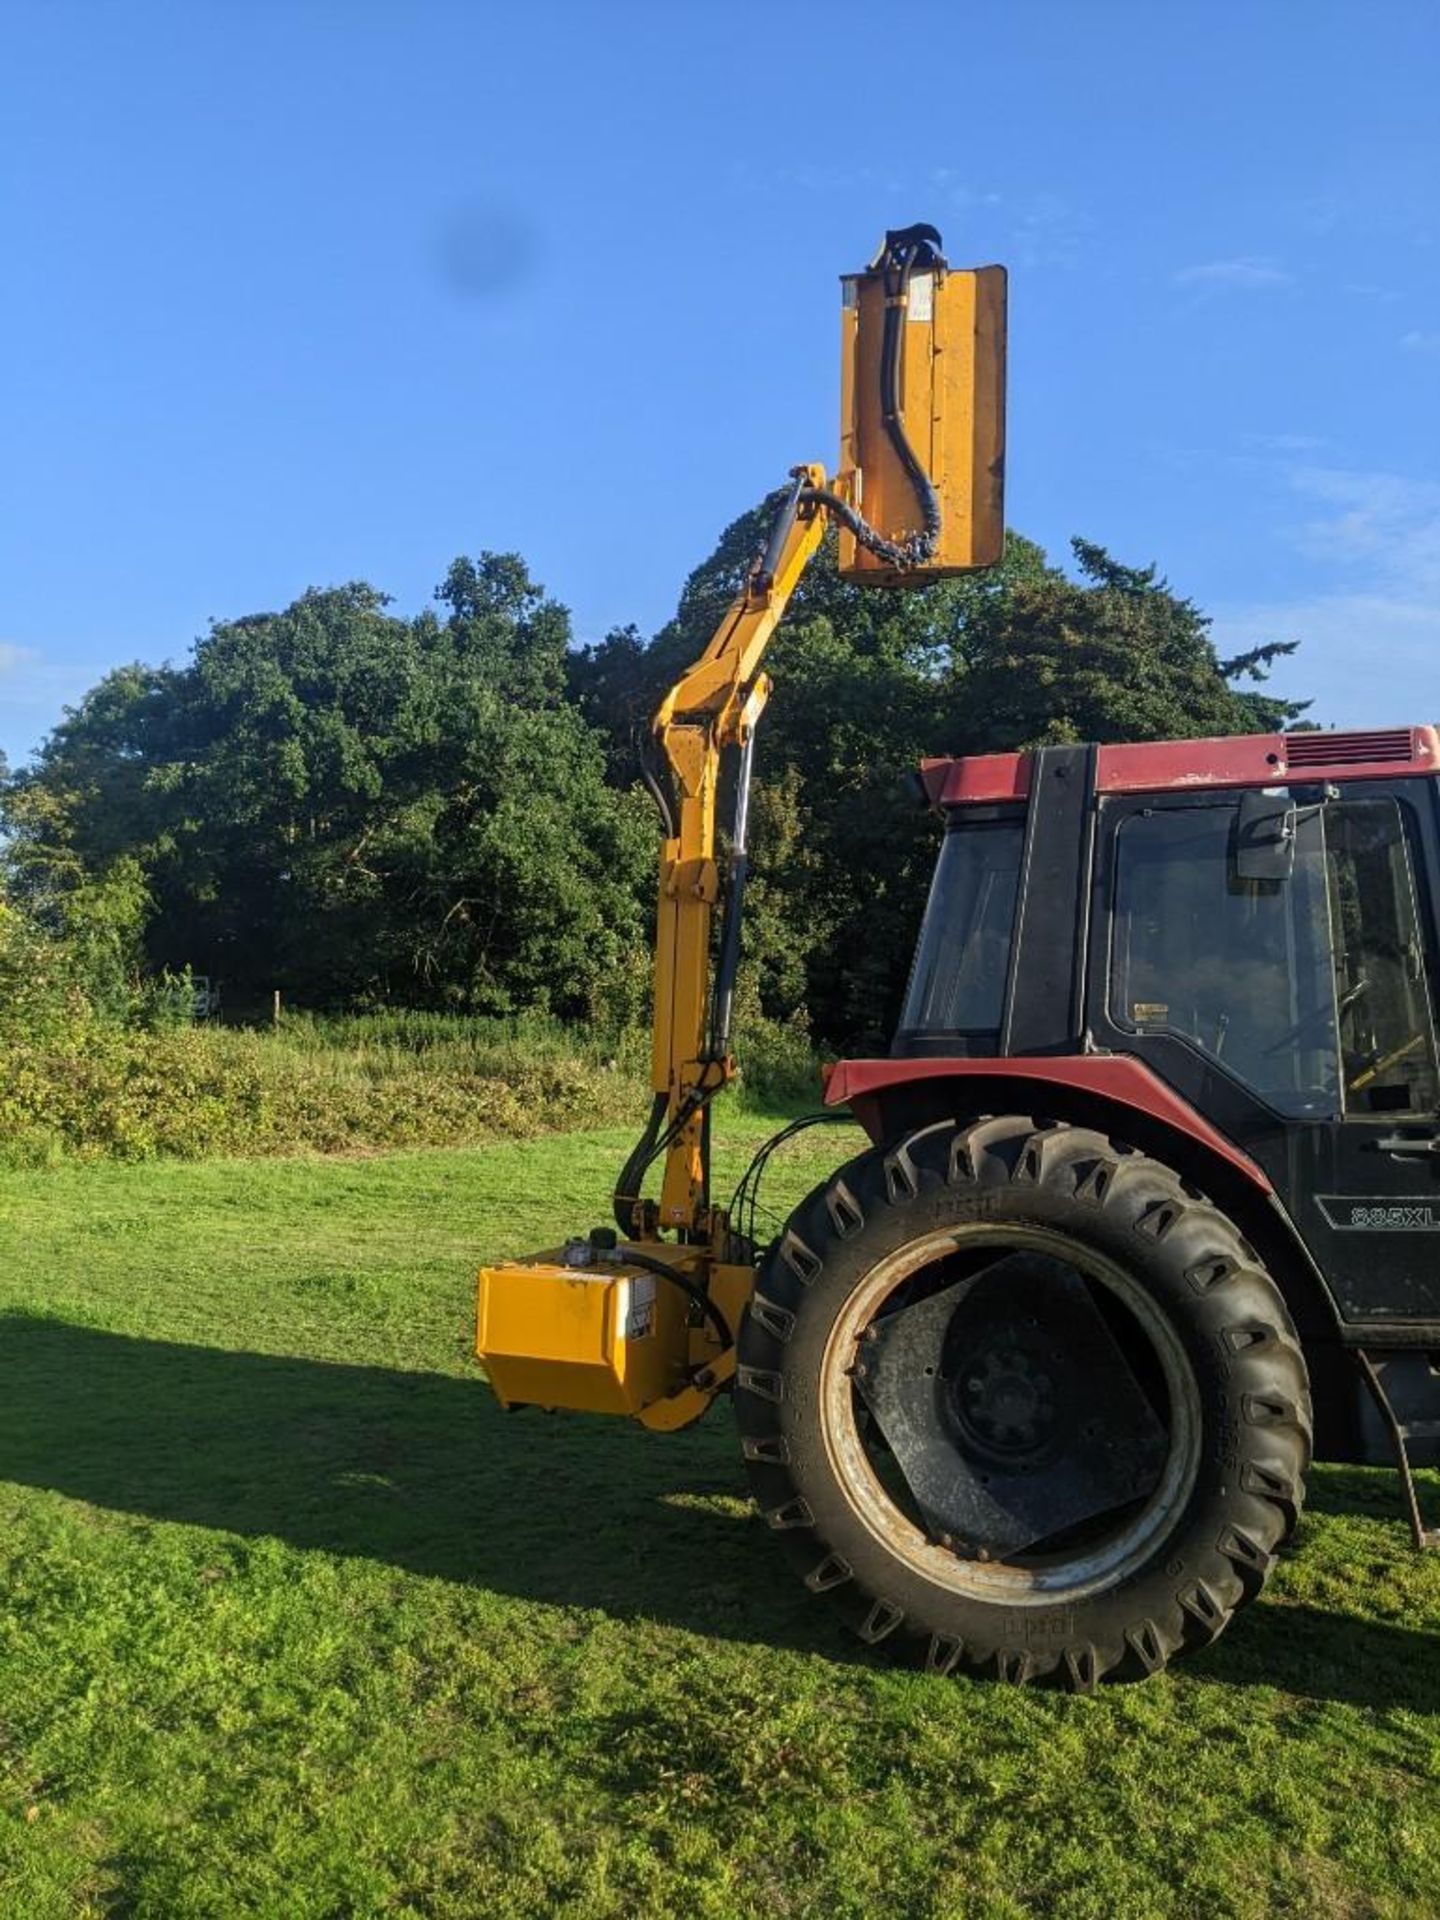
column 1265, row 836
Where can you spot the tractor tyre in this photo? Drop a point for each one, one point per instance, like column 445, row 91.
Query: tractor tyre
column 1019, row 1402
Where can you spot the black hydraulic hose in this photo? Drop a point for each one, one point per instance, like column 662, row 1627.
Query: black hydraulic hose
column 897, row 284
column 890, row 551
column 656, row 791
column 634, row 1257
column 729, row 956
column 625, row 1202
column 729, row 964
column 903, row 251
column 649, row 1147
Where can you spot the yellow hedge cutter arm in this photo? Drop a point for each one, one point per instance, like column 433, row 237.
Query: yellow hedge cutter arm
column 715, row 707
column 635, row 1323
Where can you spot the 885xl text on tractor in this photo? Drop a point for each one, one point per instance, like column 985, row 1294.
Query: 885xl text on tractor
column 1030, row 1387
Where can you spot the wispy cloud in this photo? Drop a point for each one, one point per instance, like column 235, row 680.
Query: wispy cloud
column 1041, row 228
column 1370, row 627
column 1384, row 523
column 1404, row 214
column 961, row 195
column 1243, row 274
column 1419, row 340
column 38, row 686
column 1284, row 442
column 1048, row 231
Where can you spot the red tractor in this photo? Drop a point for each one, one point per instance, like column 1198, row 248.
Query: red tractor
column 1150, row 1209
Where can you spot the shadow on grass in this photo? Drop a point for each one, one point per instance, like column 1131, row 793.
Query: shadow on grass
column 419, row 1471
column 1326, row 1656
column 426, row 1473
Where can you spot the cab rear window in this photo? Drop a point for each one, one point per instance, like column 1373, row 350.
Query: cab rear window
column 957, row 984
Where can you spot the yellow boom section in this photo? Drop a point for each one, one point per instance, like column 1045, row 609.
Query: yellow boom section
column 642, row 1322
column 715, row 706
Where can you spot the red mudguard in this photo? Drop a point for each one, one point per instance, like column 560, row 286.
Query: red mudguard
column 1113, row 1077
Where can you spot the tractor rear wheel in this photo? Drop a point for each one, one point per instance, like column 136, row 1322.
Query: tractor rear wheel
column 1019, row 1402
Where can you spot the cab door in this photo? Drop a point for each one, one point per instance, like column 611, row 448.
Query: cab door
column 1294, row 1012
column 1365, row 1188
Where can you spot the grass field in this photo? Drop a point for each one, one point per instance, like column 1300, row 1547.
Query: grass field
column 294, row 1622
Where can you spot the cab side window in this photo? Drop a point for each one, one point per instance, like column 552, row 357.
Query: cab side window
column 1387, row 1035
column 1239, row 969
column 957, row 984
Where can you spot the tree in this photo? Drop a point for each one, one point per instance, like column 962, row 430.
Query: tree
column 444, row 810
column 357, row 807
column 870, row 680
column 1115, row 655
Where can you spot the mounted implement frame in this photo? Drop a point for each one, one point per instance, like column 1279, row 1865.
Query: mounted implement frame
column 631, row 1321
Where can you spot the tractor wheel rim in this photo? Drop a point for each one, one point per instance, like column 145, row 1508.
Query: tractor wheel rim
column 1069, row 1575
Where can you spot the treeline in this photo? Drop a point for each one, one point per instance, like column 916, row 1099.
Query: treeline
column 364, row 810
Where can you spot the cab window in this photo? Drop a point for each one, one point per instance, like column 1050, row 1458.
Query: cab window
column 957, row 984
column 1386, row 1032
column 1240, row 969
column 1310, row 990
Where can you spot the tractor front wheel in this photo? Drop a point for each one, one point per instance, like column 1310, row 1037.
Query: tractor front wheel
column 1019, row 1402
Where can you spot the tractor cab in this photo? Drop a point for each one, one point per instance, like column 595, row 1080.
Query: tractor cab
column 1277, row 932
column 1227, row 949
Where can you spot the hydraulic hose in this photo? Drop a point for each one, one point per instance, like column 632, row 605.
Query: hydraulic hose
column 635, row 1257
column 904, row 252
column 657, row 794
column 905, row 249
column 625, row 1202
column 723, row 1000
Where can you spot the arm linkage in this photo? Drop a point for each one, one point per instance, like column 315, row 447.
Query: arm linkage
column 715, row 706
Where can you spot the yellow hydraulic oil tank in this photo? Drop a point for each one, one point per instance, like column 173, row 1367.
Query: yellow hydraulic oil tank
column 952, row 411
column 596, row 1339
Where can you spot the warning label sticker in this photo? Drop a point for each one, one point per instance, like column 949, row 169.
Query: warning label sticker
column 640, row 1315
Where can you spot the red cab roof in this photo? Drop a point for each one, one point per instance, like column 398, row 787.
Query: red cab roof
column 1164, row 766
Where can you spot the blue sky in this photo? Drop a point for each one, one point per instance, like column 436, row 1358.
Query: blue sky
column 301, row 293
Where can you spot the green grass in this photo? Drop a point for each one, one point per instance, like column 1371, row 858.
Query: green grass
column 294, row 1621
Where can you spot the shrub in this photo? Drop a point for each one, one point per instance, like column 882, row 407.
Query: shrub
column 99, row 1073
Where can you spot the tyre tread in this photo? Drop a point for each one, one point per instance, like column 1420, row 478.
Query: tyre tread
column 1213, row 1268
